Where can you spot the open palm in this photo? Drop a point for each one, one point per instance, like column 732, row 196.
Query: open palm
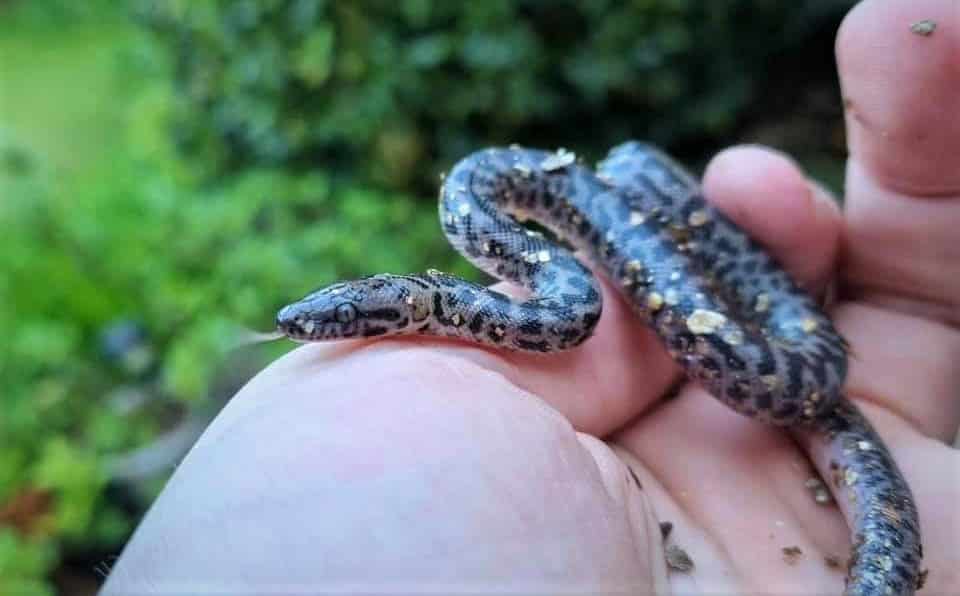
column 411, row 465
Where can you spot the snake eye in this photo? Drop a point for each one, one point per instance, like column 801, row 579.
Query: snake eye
column 346, row 313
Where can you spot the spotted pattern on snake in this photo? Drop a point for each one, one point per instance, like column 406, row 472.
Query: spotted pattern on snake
column 723, row 308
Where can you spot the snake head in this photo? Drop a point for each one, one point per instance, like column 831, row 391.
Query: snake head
column 362, row 308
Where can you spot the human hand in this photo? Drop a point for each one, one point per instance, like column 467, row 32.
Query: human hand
column 418, row 465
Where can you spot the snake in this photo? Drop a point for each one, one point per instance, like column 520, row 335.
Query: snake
column 724, row 309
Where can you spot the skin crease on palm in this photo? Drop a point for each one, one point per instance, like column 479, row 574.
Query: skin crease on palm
column 423, row 465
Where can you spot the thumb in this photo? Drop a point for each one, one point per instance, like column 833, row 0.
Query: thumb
column 899, row 63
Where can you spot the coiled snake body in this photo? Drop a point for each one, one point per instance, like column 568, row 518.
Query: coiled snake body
column 726, row 312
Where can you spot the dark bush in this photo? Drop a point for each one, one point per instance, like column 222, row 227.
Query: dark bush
column 395, row 91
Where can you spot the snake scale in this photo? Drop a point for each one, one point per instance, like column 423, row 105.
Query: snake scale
column 724, row 309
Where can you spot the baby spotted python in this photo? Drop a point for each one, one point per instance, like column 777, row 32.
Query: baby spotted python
column 724, row 309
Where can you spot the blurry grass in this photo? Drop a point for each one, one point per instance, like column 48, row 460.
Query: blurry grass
column 56, row 85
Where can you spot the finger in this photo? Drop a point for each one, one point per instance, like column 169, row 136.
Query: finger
column 598, row 386
column 900, row 260
column 903, row 178
column 900, row 91
column 768, row 195
column 407, row 469
column 617, row 374
column 904, row 364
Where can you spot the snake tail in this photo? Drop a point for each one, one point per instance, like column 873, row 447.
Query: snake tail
column 887, row 552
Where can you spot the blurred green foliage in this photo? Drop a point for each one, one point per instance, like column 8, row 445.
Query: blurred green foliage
column 164, row 189
column 396, row 91
column 103, row 225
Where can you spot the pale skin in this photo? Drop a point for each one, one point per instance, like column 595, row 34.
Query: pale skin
column 415, row 465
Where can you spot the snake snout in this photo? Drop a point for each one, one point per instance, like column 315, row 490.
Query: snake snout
column 290, row 321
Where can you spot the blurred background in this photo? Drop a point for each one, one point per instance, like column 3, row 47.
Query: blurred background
column 171, row 172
